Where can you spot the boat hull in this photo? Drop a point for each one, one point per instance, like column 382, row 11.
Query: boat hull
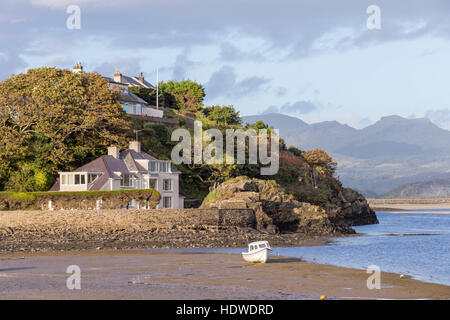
column 261, row 255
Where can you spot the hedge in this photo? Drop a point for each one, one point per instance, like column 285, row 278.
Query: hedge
column 77, row 199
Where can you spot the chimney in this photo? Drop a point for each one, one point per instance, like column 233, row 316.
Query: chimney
column 78, row 68
column 141, row 78
column 113, row 151
column 135, row 145
column 118, row 77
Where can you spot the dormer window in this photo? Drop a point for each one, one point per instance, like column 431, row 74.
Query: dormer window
column 164, row 167
column 153, row 166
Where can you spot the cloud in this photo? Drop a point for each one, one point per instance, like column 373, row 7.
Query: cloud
column 271, row 109
column 301, row 27
column 10, row 62
column 59, row 60
column 129, row 66
column 180, row 70
column 298, row 107
column 440, row 117
column 230, row 52
column 224, row 83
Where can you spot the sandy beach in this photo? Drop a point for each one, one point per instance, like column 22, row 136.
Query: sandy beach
column 166, row 275
column 405, row 207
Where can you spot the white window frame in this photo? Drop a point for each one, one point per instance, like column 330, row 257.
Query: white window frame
column 130, row 180
column 150, row 166
column 164, row 185
column 164, row 203
column 166, row 164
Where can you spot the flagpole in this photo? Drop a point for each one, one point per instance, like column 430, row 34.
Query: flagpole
column 157, row 90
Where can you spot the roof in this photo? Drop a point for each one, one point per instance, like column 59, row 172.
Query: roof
column 258, row 243
column 134, row 81
column 108, row 165
column 127, row 96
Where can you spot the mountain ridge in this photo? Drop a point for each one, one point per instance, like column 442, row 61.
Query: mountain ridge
column 377, row 158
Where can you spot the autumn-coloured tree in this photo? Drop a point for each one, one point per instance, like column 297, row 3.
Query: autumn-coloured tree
column 52, row 119
column 321, row 162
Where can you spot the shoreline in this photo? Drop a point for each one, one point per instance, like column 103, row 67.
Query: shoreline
column 45, row 231
column 409, row 204
column 182, row 241
column 138, row 274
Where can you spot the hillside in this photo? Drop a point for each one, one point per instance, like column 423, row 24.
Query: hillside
column 392, row 152
column 428, row 189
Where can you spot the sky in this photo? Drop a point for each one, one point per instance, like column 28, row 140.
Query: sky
column 316, row 60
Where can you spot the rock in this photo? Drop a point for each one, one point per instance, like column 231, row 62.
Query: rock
column 351, row 209
column 274, row 210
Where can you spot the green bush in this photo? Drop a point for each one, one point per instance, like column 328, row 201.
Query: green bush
column 77, row 199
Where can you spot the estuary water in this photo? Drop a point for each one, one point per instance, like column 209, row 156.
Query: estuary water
column 415, row 244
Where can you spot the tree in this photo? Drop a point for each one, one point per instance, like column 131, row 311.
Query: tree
column 295, row 151
column 186, row 95
column 223, row 115
column 51, row 120
column 321, row 162
column 147, row 94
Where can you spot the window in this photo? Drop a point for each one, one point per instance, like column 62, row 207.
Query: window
column 167, row 202
column 153, row 183
column 163, row 167
column 80, row 179
column 262, row 245
column 167, row 185
column 126, row 180
column 153, row 166
column 63, row 179
column 92, row 177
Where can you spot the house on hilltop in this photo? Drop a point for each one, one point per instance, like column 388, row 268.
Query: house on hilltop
column 128, row 169
column 132, row 103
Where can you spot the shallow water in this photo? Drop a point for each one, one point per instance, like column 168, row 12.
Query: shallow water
column 388, row 246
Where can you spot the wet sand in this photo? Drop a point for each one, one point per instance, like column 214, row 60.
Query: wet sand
column 164, row 275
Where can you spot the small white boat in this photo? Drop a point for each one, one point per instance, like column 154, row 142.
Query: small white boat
column 259, row 251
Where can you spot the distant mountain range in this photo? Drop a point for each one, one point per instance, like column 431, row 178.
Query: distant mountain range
column 376, row 159
column 427, row 189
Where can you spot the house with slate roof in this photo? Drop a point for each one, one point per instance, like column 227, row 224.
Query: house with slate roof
column 131, row 103
column 127, row 169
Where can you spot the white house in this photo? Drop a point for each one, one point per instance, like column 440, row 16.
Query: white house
column 132, row 104
column 128, row 169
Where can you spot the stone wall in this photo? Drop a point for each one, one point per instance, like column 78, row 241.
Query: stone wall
column 79, row 223
column 126, row 229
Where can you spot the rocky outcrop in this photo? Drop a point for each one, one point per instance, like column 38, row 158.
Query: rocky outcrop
column 275, row 211
column 352, row 209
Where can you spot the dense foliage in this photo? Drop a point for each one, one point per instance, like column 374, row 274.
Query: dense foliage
column 52, row 120
column 186, row 95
